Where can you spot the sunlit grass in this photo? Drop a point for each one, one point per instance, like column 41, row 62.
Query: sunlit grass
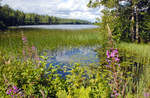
column 142, row 50
column 48, row 39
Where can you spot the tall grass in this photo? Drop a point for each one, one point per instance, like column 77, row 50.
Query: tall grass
column 142, row 54
column 48, row 39
column 142, row 50
column 132, row 54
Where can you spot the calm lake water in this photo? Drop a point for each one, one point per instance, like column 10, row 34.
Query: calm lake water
column 70, row 27
column 66, row 56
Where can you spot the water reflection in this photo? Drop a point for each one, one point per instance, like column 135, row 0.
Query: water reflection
column 67, row 57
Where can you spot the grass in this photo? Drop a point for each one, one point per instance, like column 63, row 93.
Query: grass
column 48, row 39
column 11, row 42
column 143, row 56
column 142, row 50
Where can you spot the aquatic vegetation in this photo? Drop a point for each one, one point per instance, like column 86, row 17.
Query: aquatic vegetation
column 48, row 39
column 24, row 72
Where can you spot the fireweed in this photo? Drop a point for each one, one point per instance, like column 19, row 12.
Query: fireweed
column 29, row 52
column 117, row 81
column 12, row 91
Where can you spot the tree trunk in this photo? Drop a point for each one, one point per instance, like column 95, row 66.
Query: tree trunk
column 132, row 27
column 137, row 26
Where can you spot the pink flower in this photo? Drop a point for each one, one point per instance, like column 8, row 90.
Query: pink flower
column 33, row 48
column 24, row 38
column 116, row 94
column 117, row 59
column 14, row 87
column 115, row 91
column 115, row 51
column 147, row 95
column 9, row 91
column 23, row 52
column 112, row 54
column 12, row 91
column 107, row 53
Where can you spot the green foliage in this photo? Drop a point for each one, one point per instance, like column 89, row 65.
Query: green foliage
column 128, row 23
column 37, row 80
column 34, row 79
column 30, row 78
column 141, row 53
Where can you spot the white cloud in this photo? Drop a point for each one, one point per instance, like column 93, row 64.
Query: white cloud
column 61, row 8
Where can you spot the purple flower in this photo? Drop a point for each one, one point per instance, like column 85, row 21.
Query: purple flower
column 24, row 38
column 147, row 94
column 23, row 52
column 33, row 48
column 112, row 54
column 15, row 88
column 9, row 91
column 117, row 59
column 112, row 95
column 115, row 51
column 115, row 91
column 107, row 53
column 116, row 94
column 12, row 91
column 107, row 65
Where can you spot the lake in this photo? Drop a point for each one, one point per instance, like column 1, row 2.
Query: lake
column 66, row 56
column 64, row 45
column 85, row 56
column 82, row 39
column 68, row 26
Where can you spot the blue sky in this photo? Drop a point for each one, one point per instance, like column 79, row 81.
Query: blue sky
column 74, row 9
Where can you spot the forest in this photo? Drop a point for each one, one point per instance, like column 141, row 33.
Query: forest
column 10, row 17
column 128, row 20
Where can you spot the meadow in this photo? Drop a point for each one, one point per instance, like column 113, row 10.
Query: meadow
column 122, row 71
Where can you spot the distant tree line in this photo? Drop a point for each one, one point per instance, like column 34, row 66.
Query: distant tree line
column 10, row 17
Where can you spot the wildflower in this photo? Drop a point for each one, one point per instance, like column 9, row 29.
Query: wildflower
column 9, row 91
column 116, row 94
column 115, row 91
column 33, row 48
column 24, row 38
column 107, row 65
column 15, row 89
column 112, row 54
column 117, row 59
column 115, row 51
column 112, row 95
column 12, row 91
column 147, row 95
column 23, row 52
column 107, row 53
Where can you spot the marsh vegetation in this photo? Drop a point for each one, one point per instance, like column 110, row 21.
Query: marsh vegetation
column 111, row 61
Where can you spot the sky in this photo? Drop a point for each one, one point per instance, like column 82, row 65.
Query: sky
column 73, row 9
